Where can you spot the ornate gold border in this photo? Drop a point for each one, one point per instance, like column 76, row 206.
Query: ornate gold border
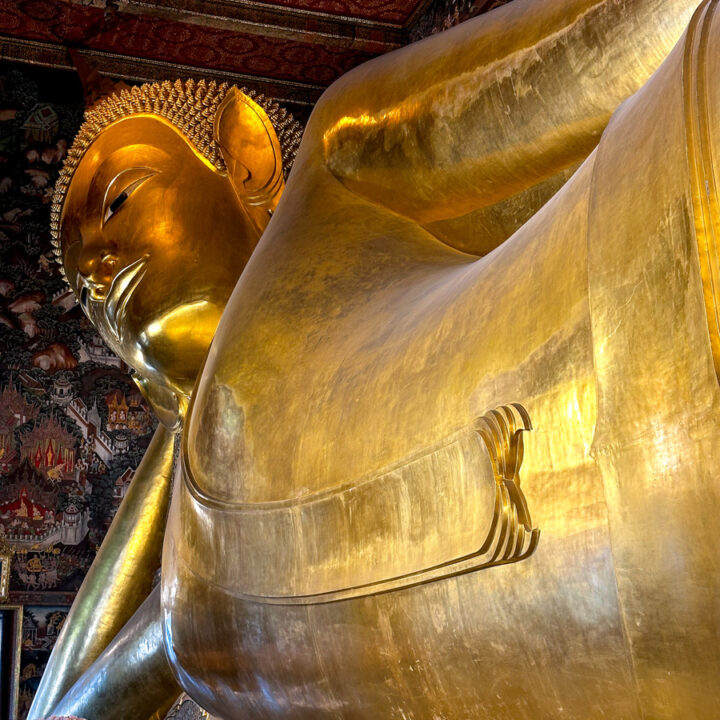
column 5, row 560
column 706, row 209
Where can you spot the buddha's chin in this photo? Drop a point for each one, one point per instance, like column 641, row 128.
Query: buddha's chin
column 169, row 365
column 172, row 349
column 174, row 370
column 167, row 348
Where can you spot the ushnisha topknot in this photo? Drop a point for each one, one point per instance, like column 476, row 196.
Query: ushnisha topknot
column 190, row 106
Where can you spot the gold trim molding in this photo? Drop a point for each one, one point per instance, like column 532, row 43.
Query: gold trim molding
column 698, row 93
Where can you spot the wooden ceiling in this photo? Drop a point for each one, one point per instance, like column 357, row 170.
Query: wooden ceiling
column 288, row 49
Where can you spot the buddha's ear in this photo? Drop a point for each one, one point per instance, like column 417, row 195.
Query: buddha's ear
column 251, row 150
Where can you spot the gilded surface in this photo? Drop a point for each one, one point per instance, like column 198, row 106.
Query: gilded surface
column 142, row 140
column 478, row 518
column 350, row 493
column 145, row 676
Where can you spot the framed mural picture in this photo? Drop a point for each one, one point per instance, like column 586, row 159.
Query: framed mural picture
column 41, row 625
column 11, row 622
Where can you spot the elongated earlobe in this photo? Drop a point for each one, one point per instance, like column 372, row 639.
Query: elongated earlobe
column 252, row 154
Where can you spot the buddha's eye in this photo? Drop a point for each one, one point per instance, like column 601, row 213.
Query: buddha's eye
column 121, row 197
column 117, row 202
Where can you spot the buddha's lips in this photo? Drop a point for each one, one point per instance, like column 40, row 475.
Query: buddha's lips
column 121, row 290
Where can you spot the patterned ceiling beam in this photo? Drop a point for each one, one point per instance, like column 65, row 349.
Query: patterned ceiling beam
column 396, row 13
column 297, row 97
column 390, row 13
column 177, row 43
column 271, row 46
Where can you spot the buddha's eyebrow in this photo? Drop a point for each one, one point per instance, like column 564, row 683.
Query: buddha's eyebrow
column 121, row 186
column 106, row 175
column 116, row 181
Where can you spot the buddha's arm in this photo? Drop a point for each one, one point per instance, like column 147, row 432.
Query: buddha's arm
column 131, row 678
column 120, row 578
column 471, row 117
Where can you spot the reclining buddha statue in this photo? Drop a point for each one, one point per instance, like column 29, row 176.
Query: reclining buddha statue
column 446, row 405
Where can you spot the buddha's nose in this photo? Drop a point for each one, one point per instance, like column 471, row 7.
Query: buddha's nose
column 98, row 265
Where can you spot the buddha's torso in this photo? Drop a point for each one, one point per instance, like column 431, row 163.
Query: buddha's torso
column 342, row 462
column 318, row 554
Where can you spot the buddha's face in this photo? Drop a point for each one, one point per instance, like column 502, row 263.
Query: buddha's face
column 155, row 240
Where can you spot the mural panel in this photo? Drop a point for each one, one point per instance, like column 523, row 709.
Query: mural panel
column 73, row 427
column 41, row 625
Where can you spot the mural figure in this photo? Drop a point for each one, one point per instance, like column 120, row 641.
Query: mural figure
column 485, row 306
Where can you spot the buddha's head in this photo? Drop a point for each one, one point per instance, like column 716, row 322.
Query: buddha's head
column 161, row 202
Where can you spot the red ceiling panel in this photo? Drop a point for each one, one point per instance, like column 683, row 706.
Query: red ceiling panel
column 389, row 11
column 176, row 42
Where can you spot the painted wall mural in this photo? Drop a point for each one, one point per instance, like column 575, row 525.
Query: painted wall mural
column 73, row 427
column 41, row 625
